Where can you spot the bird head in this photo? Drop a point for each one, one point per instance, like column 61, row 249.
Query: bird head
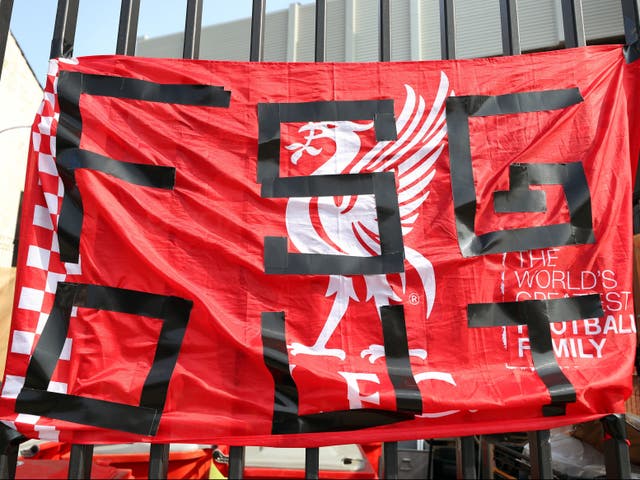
column 342, row 132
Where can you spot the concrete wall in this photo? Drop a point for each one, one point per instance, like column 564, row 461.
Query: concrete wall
column 20, row 97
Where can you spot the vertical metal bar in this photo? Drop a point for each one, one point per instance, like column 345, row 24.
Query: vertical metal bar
column 510, row 28
column 128, row 27
column 487, row 460
column 192, row 27
column 64, row 30
column 540, row 454
column 385, row 31
column 312, row 463
column 158, row 460
column 321, row 30
column 389, row 460
column 257, row 31
column 9, row 461
column 16, row 235
column 10, row 441
column 447, row 30
column 631, row 19
column 466, row 457
column 236, row 462
column 573, row 23
column 430, row 460
column 80, row 461
column 616, row 448
column 6, row 7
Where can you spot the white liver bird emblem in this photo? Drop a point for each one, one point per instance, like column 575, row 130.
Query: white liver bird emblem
column 348, row 226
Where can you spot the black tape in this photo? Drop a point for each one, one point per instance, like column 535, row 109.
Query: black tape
column 571, row 176
column 72, row 211
column 631, row 49
column 321, row 185
column 277, row 260
column 10, row 438
column 507, row 314
column 145, row 175
column 89, row 411
column 614, row 425
column 537, row 315
column 519, row 198
column 537, row 101
column 631, row 52
column 135, row 89
column 143, row 418
column 285, row 410
column 271, row 115
column 396, row 350
column 342, row 420
column 385, row 127
column 69, row 129
column 276, row 358
column 71, row 85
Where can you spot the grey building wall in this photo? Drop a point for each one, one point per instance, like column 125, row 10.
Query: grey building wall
column 352, row 32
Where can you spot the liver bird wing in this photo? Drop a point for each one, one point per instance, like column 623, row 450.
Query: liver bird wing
column 413, row 155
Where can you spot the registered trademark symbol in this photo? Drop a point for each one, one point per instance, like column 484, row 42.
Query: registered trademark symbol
column 414, row 299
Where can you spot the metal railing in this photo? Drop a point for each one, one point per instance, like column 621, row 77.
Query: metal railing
column 472, row 460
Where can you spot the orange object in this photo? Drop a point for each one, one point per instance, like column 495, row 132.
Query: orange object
column 49, row 451
column 33, row 468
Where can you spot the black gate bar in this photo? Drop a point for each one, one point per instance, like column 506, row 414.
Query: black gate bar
column 510, row 27
column 158, row 460
column 573, row 23
column 487, row 457
column 128, row 27
column 6, row 6
column 10, row 441
column 64, row 30
column 9, row 461
column 312, row 463
column 64, row 33
column 389, row 461
column 540, row 454
column 447, row 30
column 257, row 31
column 192, row 27
column 631, row 19
column 385, row 31
column 236, row 462
column 616, row 447
column 466, row 457
column 16, row 235
column 80, row 461
column 389, row 449
column 321, row 30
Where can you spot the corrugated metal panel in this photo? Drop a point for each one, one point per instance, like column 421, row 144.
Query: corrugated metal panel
column 167, row 46
column 429, row 30
column 226, row 41
column 275, row 36
column 540, row 23
column 478, row 28
column 366, row 31
column 400, row 30
column 305, row 47
column 336, row 31
column 602, row 18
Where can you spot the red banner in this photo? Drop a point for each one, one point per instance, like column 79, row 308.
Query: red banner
column 275, row 254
